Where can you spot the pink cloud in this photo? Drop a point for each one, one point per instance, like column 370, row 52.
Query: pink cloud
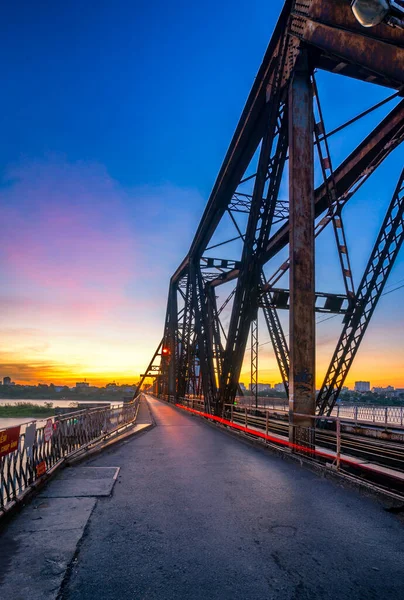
column 67, row 231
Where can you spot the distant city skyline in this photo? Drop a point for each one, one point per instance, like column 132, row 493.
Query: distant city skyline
column 274, row 385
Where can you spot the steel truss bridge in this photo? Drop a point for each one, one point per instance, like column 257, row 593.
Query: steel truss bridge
column 282, row 136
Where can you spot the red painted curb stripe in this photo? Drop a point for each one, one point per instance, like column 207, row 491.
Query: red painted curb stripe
column 286, row 443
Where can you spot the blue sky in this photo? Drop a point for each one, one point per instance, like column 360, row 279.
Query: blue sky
column 115, row 120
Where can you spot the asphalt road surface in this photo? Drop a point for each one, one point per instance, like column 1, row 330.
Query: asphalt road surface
column 197, row 514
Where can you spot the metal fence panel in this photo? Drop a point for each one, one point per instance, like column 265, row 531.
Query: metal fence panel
column 69, row 433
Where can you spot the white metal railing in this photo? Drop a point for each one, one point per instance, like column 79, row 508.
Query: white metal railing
column 380, row 415
column 358, row 413
column 32, row 449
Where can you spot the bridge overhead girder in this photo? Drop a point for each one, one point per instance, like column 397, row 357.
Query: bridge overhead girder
column 205, row 358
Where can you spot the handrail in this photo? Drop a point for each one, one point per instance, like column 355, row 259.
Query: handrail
column 30, row 450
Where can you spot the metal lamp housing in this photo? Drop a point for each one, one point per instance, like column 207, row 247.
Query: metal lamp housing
column 370, row 12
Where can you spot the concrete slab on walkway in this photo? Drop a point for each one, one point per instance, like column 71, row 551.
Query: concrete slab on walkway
column 82, row 482
column 38, row 547
column 53, row 514
column 88, row 473
column 143, row 415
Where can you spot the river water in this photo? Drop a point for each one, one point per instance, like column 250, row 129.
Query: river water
column 12, row 421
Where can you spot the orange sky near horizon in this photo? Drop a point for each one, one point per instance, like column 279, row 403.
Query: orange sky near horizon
column 365, row 368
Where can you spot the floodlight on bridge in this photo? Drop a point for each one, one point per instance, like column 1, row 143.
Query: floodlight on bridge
column 373, row 12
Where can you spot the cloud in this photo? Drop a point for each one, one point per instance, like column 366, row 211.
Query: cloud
column 73, row 232
column 67, row 230
column 84, row 267
column 32, row 373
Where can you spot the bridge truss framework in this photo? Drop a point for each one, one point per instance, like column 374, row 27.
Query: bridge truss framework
column 282, row 124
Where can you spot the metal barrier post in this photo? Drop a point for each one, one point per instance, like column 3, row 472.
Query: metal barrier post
column 385, row 417
column 356, row 415
column 231, row 413
column 246, row 420
column 267, row 424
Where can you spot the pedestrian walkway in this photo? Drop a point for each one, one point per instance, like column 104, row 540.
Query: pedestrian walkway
column 198, row 514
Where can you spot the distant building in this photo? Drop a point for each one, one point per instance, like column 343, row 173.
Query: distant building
column 262, row 387
column 362, row 386
column 82, row 385
column 243, row 388
column 279, row 387
column 384, row 391
column 6, row 380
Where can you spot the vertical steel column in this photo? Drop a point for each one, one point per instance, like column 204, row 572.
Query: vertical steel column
column 254, row 360
column 302, row 297
column 172, row 341
column 184, row 361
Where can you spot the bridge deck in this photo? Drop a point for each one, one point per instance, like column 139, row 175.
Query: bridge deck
column 198, row 514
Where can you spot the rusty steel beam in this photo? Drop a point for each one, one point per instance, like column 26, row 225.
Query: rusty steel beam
column 317, row 22
column 302, row 299
column 343, row 46
column 152, row 370
column 381, row 261
column 383, row 60
column 325, row 302
column 373, row 150
column 352, row 173
column 339, row 15
column 246, row 138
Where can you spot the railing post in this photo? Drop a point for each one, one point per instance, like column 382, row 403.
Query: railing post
column 338, row 443
column 267, row 423
column 401, row 411
column 246, row 420
column 385, row 416
column 231, row 413
column 356, row 415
